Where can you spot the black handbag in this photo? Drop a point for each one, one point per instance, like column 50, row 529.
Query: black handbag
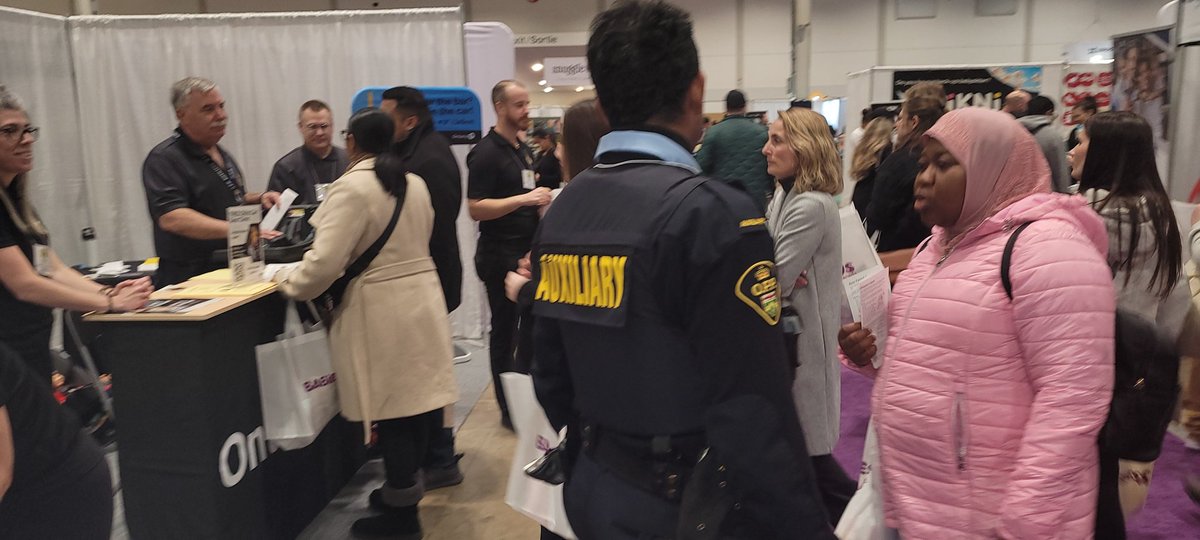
column 551, row 468
column 329, row 300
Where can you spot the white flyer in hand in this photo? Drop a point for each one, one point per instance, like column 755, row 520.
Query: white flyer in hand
column 858, row 252
column 869, row 294
column 275, row 214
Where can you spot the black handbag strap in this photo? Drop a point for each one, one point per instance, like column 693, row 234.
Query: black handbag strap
column 1006, row 259
column 363, row 261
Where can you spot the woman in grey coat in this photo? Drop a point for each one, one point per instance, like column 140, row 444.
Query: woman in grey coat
column 803, row 220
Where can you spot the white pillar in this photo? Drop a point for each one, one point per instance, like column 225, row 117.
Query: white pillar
column 801, row 47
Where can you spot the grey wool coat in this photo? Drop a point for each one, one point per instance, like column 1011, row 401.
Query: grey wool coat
column 808, row 239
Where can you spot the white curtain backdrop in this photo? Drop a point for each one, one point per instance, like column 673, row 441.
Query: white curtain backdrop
column 266, row 65
column 490, row 59
column 35, row 63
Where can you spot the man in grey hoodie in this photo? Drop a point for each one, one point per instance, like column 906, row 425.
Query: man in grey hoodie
column 1039, row 120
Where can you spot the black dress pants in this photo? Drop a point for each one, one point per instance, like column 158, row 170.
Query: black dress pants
column 1110, row 521
column 404, row 442
column 836, row 488
column 493, row 263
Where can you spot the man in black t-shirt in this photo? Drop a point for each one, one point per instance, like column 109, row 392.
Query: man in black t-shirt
column 190, row 181
column 54, row 481
column 311, row 167
column 503, row 198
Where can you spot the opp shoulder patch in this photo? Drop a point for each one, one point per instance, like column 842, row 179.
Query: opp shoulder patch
column 759, row 289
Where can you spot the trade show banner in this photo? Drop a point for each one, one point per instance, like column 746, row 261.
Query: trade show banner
column 456, row 111
column 567, row 71
column 1141, row 83
column 972, row 87
column 1081, row 81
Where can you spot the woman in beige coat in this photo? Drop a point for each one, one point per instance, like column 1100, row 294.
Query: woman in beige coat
column 390, row 336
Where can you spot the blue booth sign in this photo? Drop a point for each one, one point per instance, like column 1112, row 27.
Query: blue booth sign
column 456, row 110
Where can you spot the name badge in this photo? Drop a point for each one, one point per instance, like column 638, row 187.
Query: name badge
column 527, row 179
column 321, row 189
column 41, row 260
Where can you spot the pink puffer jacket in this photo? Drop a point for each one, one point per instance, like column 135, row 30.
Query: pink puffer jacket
column 987, row 410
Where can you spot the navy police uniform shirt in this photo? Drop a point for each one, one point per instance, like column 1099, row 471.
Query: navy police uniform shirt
column 658, row 314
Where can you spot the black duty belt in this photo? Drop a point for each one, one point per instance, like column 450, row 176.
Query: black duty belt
column 659, row 465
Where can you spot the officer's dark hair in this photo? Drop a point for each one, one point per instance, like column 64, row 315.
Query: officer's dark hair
column 735, row 100
column 643, row 60
column 1088, row 104
column 409, row 101
column 314, row 105
column 372, row 130
column 1040, row 105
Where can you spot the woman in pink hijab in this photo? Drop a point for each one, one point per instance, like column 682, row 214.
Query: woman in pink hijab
column 987, row 408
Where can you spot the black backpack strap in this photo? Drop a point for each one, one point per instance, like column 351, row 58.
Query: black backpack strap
column 1006, row 259
column 924, row 244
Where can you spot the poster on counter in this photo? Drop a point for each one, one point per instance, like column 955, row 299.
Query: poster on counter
column 1141, row 83
column 972, row 87
column 1081, row 81
column 245, row 243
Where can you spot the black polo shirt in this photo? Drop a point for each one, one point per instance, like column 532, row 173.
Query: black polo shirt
column 494, row 172
column 23, row 326
column 301, row 170
column 179, row 174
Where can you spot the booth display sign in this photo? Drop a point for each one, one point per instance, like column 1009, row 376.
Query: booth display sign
column 457, row 113
column 1141, row 83
column 972, row 87
column 245, row 246
column 1083, row 80
column 560, row 39
column 567, row 71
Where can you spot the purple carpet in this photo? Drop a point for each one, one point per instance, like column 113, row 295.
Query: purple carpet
column 1168, row 515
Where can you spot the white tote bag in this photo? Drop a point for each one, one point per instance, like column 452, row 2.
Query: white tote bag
column 863, row 518
column 297, row 384
column 537, row 499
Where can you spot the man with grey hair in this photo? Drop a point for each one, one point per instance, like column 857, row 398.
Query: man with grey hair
column 190, row 181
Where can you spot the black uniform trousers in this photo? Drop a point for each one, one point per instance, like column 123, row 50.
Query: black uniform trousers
column 599, row 502
column 493, row 262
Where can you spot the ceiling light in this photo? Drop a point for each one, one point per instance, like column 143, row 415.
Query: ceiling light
column 578, row 88
column 548, row 89
column 537, row 67
column 542, row 82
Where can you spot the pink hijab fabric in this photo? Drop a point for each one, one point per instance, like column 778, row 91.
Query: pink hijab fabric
column 1003, row 162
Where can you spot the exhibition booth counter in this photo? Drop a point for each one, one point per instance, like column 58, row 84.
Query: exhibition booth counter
column 194, row 459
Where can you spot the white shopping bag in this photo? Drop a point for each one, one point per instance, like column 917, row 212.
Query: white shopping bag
column 863, row 518
column 297, row 384
column 537, row 499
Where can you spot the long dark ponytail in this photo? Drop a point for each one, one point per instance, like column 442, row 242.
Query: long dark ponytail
column 373, row 130
column 1120, row 159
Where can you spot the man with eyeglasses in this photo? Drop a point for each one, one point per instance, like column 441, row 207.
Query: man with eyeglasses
column 309, row 169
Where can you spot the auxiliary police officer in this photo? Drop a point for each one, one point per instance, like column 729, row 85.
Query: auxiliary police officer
column 657, row 337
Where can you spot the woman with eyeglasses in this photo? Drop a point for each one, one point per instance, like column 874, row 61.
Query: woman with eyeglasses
column 33, row 280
